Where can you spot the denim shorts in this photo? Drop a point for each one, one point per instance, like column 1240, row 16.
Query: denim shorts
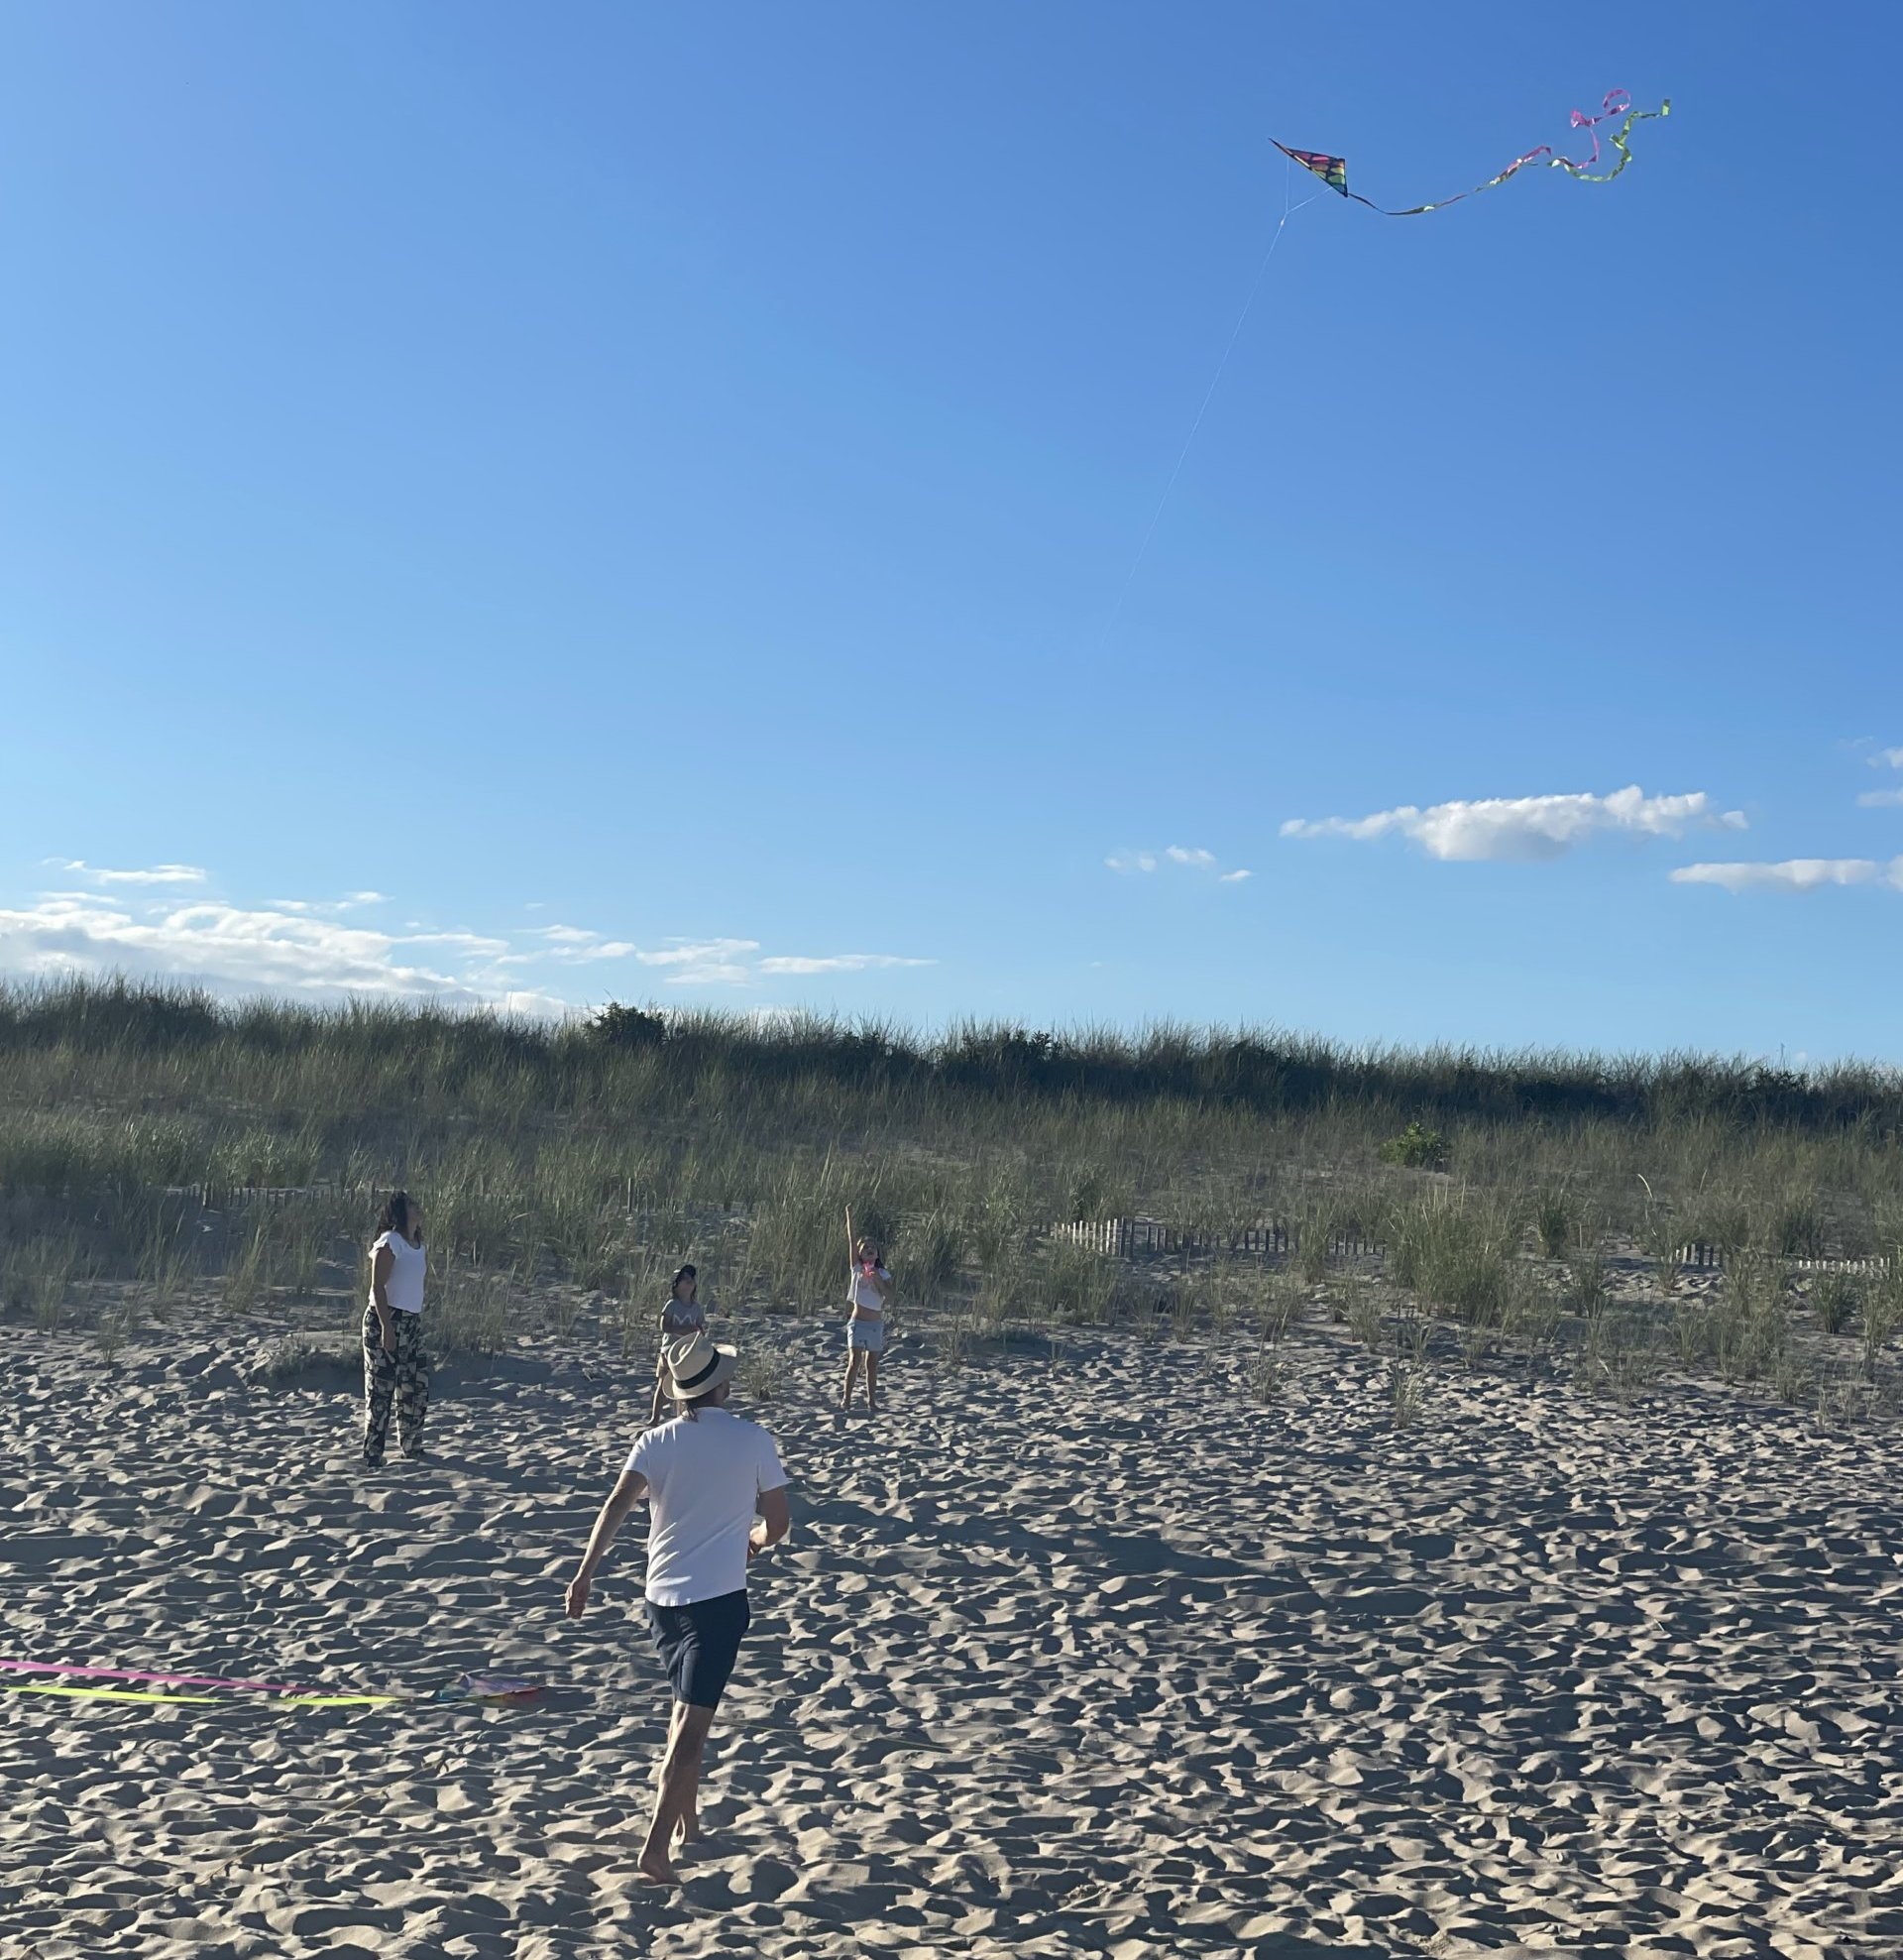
column 868, row 1337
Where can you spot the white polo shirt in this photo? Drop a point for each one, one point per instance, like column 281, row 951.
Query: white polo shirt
column 705, row 1473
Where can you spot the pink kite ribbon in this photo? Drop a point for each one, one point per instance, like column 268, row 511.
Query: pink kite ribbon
column 1617, row 101
column 143, row 1675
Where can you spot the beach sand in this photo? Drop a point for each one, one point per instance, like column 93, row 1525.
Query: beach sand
column 1064, row 1656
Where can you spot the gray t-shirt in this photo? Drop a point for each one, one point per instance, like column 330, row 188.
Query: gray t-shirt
column 681, row 1317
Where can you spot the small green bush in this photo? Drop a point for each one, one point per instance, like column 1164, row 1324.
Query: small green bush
column 616, row 1026
column 1415, row 1149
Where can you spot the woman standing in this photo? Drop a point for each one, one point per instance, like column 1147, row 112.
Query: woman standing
column 394, row 1364
column 683, row 1315
column 870, row 1288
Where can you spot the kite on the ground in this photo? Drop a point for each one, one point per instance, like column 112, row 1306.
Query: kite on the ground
column 1333, row 171
column 495, row 1690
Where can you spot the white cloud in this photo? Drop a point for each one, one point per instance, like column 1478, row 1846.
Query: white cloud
column 468, row 942
column 687, row 952
column 704, row 962
column 330, row 908
column 299, row 946
column 1191, row 857
column 575, row 943
column 1880, row 799
column 1793, row 874
column 1887, row 758
column 836, row 963
column 1524, row 829
column 152, row 875
column 230, row 948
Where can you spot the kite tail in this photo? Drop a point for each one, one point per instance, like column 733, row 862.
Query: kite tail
column 1618, row 143
column 173, row 1696
column 146, row 1675
column 1616, row 99
column 1333, row 171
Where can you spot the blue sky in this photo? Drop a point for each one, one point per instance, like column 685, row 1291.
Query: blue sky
column 645, row 502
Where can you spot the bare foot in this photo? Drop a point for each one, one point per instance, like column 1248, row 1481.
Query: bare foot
column 687, row 1831
column 654, row 1869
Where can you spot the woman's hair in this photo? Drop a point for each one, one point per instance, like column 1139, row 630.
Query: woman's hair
column 691, row 1406
column 395, row 1216
column 686, row 1273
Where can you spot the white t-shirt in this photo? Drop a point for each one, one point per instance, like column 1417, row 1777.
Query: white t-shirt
column 704, row 1473
column 405, row 1287
column 865, row 1296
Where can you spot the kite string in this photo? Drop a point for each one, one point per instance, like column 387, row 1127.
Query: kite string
column 1209, row 395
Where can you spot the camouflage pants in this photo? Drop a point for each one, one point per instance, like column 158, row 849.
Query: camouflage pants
column 403, row 1376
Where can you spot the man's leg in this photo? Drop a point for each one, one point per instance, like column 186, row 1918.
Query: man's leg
column 679, row 1793
column 689, row 1821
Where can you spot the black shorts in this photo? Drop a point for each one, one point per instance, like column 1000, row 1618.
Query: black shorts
column 699, row 1643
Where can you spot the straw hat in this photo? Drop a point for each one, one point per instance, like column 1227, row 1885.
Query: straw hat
column 694, row 1366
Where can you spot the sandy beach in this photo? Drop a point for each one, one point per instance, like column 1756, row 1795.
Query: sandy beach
column 1089, row 1654
column 1167, row 734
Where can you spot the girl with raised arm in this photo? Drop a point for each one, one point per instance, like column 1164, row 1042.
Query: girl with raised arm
column 869, row 1288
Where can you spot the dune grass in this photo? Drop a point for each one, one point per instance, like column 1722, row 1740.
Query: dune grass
column 583, row 1160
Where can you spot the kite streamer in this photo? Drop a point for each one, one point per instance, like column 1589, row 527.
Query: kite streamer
column 1333, row 171
column 152, row 1694
column 146, row 1675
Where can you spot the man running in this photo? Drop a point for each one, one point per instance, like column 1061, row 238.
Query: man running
column 706, row 1474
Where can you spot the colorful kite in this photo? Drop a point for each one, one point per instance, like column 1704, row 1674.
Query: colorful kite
column 1333, row 171
column 495, row 1690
